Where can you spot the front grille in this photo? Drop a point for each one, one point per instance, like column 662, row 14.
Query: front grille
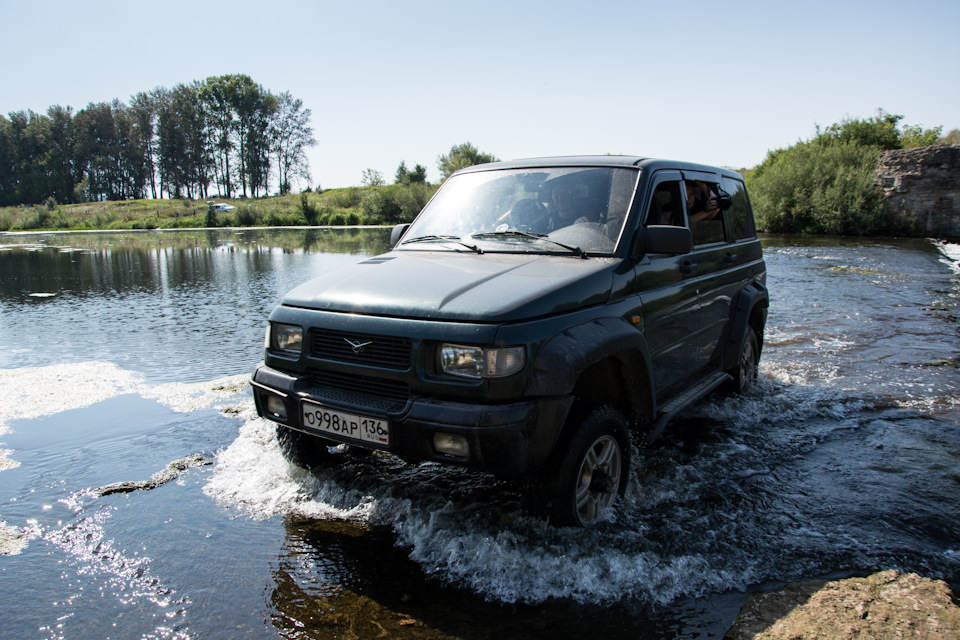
column 360, row 391
column 385, row 352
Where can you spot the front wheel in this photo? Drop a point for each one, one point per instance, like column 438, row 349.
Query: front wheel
column 301, row 449
column 594, row 470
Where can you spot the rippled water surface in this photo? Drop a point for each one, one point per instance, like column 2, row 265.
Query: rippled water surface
column 121, row 353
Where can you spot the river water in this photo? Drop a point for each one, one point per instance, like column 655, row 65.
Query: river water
column 123, row 352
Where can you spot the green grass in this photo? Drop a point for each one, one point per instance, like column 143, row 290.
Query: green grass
column 335, row 206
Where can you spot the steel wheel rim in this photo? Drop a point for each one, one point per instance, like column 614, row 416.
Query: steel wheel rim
column 598, row 480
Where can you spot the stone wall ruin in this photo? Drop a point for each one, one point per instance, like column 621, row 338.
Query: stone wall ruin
column 924, row 184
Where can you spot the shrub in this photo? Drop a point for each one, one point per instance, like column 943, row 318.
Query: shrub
column 248, row 215
column 337, row 220
column 822, row 187
column 210, row 220
column 396, row 203
column 308, row 209
column 344, row 198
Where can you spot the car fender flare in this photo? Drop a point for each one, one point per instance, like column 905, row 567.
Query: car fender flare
column 562, row 358
column 754, row 295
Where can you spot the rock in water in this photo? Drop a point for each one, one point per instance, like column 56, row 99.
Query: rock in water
column 884, row 605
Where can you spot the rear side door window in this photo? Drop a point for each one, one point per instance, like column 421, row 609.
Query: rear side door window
column 740, row 215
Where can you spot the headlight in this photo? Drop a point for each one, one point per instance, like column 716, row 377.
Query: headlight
column 286, row 337
column 479, row 362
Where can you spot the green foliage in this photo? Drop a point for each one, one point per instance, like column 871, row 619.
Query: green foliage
column 407, row 176
column 309, row 210
column 248, row 215
column 461, row 156
column 953, row 137
column 211, row 217
column 917, row 136
column 396, row 203
column 815, row 187
column 344, row 198
column 879, row 131
column 372, row 178
column 829, row 183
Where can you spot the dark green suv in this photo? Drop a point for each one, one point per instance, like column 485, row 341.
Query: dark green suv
column 533, row 317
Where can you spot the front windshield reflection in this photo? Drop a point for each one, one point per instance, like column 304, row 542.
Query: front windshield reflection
column 579, row 207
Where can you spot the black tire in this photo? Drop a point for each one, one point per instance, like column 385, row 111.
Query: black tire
column 593, row 471
column 303, row 450
column 748, row 361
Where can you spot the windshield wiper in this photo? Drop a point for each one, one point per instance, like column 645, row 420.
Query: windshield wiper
column 435, row 238
column 515, row 233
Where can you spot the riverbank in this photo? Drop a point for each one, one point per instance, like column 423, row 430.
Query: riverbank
column 335, row 206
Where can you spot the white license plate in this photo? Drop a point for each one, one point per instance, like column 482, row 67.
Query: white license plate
column 346, row 425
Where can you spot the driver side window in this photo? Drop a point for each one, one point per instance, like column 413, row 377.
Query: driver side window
column 666, row 207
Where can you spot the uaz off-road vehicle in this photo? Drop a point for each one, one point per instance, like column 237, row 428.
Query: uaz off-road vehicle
column 533, row 316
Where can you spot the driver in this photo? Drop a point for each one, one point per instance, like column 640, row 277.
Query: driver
column 563, row 208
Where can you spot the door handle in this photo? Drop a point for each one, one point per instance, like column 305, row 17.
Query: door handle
column 729, row 257
column 687, row 266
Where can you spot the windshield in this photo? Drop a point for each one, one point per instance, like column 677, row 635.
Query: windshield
column 549, row 210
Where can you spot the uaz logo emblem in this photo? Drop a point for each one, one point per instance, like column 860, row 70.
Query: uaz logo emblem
column 356, row 345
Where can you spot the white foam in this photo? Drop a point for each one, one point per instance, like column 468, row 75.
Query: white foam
column 44, row 391
column 459, row 540
column 951, row 253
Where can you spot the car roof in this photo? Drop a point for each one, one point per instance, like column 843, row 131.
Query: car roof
column 643, row 163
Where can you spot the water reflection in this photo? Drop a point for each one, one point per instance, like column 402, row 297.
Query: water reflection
column 175, row 306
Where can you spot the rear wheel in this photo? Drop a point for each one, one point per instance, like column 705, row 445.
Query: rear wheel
column 745, row 373
column 593, row 472
column 303, row 450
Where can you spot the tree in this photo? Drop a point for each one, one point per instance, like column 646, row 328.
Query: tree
column 417, row 175
column 461, row 156
column 401, row 175
column 372, row 178
column 184, row 142
column 410, row 176
column 218, row 96
column 143, row 111
column 917, row 136
column 879, row 131
column 952, row 137
column 292, row 135
column 8, row 164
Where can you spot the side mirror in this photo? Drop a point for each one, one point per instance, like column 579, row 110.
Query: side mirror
column 397, row 233
column 665, row 239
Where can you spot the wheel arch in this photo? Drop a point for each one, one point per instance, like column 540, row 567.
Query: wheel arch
column 750, row 311
column 602, row 362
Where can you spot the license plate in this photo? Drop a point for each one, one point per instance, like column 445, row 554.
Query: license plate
column 346, row 425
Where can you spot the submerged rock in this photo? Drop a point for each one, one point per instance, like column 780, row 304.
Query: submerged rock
column 884, row 605
column 161, row 477
column 12, row 540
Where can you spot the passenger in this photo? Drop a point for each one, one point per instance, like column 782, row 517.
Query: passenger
column 701, row 201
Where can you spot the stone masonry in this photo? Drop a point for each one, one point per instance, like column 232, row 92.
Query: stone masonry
column 924, row 184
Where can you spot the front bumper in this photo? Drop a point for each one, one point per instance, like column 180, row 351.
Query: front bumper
column 509, row 439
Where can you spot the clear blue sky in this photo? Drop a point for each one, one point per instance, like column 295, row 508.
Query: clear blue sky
column 720, row 82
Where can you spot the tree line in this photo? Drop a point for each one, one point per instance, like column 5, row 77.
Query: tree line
column 226, row 135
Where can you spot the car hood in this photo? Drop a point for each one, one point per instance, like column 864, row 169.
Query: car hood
column 453, row 286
